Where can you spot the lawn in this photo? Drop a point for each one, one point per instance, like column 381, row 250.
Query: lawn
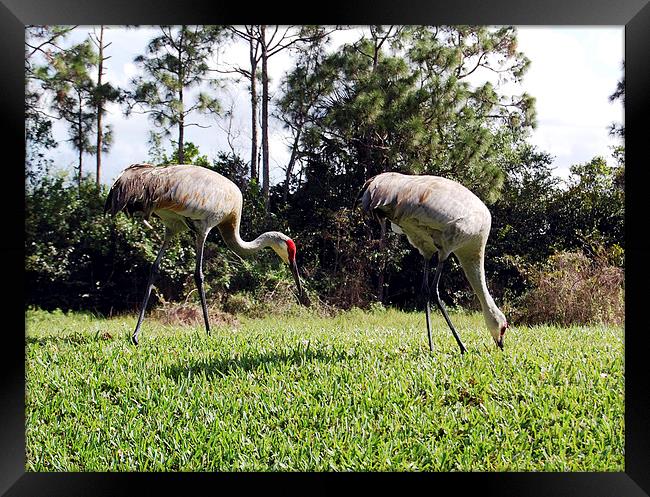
column 359, row 391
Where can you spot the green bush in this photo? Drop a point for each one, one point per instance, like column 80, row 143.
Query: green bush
column 238, row 303
column 79, row 258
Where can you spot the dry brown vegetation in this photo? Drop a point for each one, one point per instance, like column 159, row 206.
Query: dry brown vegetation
column 574, row 289
column 190, row 314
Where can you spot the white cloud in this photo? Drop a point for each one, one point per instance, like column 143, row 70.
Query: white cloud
column 129, row 70
column 572, row 73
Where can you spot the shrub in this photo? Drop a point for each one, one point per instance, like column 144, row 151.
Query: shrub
column 78, row 258
column 572, row 288
column 237, row 303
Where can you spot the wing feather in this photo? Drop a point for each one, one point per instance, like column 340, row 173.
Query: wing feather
column 132, row 191
column 191, row 191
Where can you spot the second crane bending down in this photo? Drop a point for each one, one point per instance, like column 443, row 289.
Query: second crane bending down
column 195, row 198
column 438, row 215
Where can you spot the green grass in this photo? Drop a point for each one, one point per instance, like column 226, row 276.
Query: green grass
column 359, row 391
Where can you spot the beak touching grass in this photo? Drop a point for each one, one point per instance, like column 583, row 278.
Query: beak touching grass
column 499, row 341
column 302, row 296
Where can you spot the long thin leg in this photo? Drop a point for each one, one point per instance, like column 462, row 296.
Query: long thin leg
column 153, row 273
column 427, row 297
column 198, row 276
column 436, row 279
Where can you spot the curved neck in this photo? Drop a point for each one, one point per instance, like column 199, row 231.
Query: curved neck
column 475, row 273
column 241, row 247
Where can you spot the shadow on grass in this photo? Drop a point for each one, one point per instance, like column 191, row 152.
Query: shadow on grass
column 251, row 361
column 71, row 339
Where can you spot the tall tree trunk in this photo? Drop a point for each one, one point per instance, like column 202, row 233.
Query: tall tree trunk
column 254, row 172
column 265, row 120
column 381, row 278
column 80, row 137
column 292, row 162
column 181, row 138
column 181, row 120
column 100, row 110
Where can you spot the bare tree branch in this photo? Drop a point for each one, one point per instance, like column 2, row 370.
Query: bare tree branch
column 50, row 41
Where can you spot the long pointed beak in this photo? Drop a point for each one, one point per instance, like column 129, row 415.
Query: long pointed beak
column 302, row 296
column 499, row 342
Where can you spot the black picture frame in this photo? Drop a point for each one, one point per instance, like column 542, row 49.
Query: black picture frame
column 16, row 14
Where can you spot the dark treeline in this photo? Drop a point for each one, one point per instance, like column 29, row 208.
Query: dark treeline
column 400, row 99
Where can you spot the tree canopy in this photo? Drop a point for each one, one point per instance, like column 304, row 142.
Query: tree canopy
column 413, row 99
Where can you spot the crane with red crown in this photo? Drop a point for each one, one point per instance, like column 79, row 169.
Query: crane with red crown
column 195, row 198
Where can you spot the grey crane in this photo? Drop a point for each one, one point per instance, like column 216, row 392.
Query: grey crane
column 195, row 198
column 438, row 215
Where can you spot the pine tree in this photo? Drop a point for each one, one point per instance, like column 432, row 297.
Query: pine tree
column 103, row 93
column 176, row 62
column 405, row 99
column 42, row 43
column 265, row 42
column 67, row 76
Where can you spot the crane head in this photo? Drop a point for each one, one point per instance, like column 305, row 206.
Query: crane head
column 286, row 250
column 497, row 324
column 502, row 333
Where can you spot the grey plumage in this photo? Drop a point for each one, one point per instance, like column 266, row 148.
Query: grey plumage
column 438, row 215
column 196, row 198
column 192, row 192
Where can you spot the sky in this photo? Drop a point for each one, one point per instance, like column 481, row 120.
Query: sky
column 573, row 71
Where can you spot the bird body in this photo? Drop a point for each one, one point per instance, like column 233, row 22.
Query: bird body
column 438, row 215
column 176, row 194
column 433, row 212
column 195, row 198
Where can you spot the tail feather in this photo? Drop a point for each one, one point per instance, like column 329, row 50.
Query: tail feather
column 375, row 198
column 362, row 197
column 130, row 193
